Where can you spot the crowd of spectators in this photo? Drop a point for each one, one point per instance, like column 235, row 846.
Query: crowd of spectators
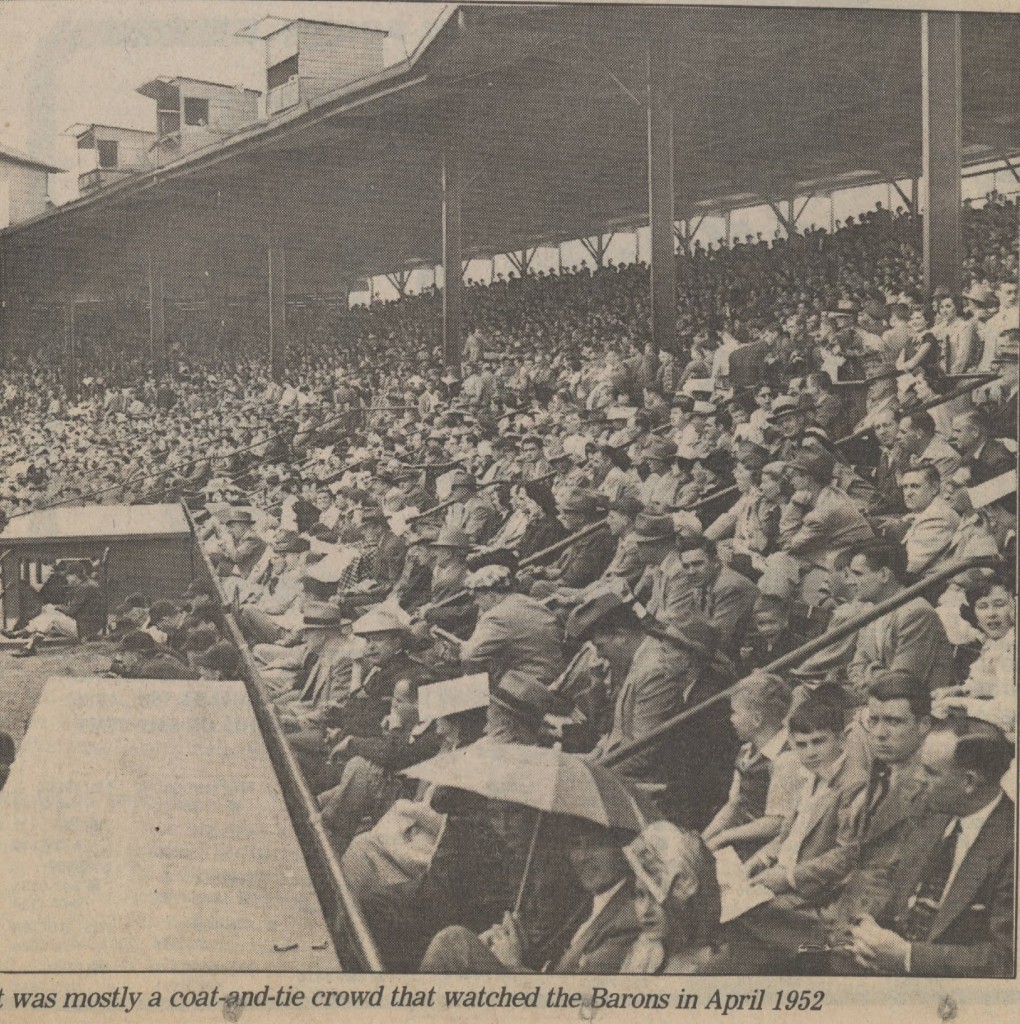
column 606, row 536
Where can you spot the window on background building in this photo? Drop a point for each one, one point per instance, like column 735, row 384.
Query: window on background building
column 196, row 112
column 107, row 153
column 280, row 74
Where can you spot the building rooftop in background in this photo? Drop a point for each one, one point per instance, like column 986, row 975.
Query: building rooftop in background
column 271, row 24
column 11, row 155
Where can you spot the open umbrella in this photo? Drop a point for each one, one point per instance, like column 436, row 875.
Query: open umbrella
column 546, row 779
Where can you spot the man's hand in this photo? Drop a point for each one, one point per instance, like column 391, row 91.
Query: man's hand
column 506, row 940
column 773, row 878
column 878, row 949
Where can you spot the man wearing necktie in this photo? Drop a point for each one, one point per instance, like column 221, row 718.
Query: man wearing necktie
column 952, row 910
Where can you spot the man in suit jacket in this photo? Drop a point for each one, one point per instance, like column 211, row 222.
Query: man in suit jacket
column 584, row 561
column 888, row 498
column 712, row 590
column 835, row 884
column 597, row 943
column 673, row 669
column 932, row 519
column 911, row 639
column 986, row 457
column 951, row 911
column 513, row 631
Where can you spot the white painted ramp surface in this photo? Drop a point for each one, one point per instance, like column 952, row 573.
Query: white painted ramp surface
column 143, row 828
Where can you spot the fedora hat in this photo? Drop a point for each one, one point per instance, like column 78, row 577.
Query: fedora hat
column 582, row 502
column 599, row 601
column 650, row 527
column 452, row 537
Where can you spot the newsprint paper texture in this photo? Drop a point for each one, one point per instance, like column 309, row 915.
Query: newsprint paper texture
column 379, row 650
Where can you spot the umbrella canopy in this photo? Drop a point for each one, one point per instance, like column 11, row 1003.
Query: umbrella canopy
column 545, row 779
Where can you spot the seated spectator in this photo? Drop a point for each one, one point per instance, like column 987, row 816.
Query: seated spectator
column 677, row 902
column 981, row 453
column 931, row 521
column 911, row 639
column 951, row 904
column 599, row 945
column 989, row 691
column 755, row 809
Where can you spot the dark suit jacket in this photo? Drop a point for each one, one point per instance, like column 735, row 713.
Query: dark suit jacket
column 695, row 761
column 865, row 848
column 584, row 562
column 888, row 499
column 993, row 460
column 729, row 605
column 747, row 364
column 604, row 945
column 971, row 934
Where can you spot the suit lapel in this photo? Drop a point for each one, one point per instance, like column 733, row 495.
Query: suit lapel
column 898, row 805
column 594, row 933
column 992, row 841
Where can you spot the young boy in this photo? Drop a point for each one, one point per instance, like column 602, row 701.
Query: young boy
column 761, row 794
column 831, row 778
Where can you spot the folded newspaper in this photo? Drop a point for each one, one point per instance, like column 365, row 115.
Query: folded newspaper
column 739, row 895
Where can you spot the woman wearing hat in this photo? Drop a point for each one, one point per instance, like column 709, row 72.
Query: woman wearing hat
column 677, row 902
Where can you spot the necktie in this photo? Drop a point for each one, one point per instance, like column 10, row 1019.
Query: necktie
column 881, row 782
column 927, row 897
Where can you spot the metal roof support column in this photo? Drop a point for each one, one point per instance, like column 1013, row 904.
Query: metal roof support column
column 453, row 277
column 277, row 281
column 941, row 132
column 70, row 355
column 727, row 228
column 661, row 194
column 216, row 302
column 832, row 213
column 157, row 312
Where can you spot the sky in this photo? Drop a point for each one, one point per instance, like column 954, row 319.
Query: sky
column 67, row 61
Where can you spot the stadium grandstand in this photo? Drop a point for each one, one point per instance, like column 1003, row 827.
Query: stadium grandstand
column 594, row 616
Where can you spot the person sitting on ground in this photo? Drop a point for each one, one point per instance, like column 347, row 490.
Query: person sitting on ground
column 81, row 618
column 139, row 657
column 221, row 661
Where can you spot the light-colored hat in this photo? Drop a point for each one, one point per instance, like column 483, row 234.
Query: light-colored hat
column 981, row 294
column 489, row 577
column 381, row 619
column 667, row 860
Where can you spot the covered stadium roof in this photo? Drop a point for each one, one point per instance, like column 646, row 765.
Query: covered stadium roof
column 546, row 104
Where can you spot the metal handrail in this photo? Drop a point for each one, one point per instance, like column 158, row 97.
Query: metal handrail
column 367, row 949
column 805, row 651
